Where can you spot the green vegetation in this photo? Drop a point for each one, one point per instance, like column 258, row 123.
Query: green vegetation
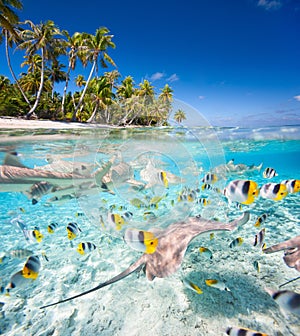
column 51, row 56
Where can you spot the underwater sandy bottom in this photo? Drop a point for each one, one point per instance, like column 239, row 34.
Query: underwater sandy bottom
column 136, row 306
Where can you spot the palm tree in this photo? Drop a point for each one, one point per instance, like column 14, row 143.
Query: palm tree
column 93, row 49
column 101, row 96
column 8, row 18
column 126, row 89
column 80, row 81
column 72, row 43
column 8, row 22
column 40, row 38
column 179, row 116
column 146, row 90
column 56, row 74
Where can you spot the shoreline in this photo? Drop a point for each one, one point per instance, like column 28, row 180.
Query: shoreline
column 16, row 123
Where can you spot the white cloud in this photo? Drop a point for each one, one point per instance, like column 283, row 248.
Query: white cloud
column 297, row 97
column 270, row 4
column 156, row 76
column 201, row 97
column 173, row 78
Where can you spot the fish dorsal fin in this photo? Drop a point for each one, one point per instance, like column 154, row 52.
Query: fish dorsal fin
column 11, row 159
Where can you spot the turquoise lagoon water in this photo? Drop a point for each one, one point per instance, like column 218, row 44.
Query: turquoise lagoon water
column 136, row 306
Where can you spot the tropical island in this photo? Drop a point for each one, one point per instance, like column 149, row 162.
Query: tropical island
column 51, row 56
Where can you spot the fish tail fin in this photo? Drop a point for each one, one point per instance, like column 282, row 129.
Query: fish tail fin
column 118, row 277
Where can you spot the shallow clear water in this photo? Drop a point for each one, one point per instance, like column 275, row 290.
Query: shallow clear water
column 136, row 306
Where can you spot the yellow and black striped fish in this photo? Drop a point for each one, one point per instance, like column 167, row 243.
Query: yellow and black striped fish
column 84, row 248
column 73, row 230
column 51, row 227
column 32, row 267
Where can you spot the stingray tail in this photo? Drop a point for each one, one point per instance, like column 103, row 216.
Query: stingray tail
column 118, row 277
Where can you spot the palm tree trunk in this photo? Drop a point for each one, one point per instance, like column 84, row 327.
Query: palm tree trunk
column 65, row 90
column 92, row 117
column 84, row 90
column 38, row 96
column 11, row 70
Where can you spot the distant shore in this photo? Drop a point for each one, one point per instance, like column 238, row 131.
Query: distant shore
column 16, row 123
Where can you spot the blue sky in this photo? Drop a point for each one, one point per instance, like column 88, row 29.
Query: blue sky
column 236, row 61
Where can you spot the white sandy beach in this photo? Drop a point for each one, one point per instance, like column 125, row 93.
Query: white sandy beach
column 16, row 123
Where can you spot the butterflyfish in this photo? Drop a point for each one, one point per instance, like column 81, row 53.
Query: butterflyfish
column 217, row 284
column 73, row 230
column 274, row 191
column 256, row 266
column 236, row 242
column 239, row 331
column 207, row 186
column 84, row 248
column 32, row 267
column 210, row 178
column 203, row 201
column 149, row 215
column 38, row 190
column 261, row 219
column 33, row 235
column 292, row 186
column 269, row 173
column 79, row 214
column 162, row 176
column 115, row 220
column 286, row 299
column 192, row 286
column 16, row 280
column 143, row 241
column 52, row 227
column 242, row 191
column 259, row 238
column 206, row 252
column 127, row 215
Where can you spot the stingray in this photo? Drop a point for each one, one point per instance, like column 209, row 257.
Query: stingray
column 291, row 249
column 172, row 245
column 15, row 177
column 232, row 168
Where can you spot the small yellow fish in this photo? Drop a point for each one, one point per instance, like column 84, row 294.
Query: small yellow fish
column 116, row 220
column 236, row 242
column 73, row 230
column 210, row 178
column 261, row 219
column 207, row 186
column 211, row 236
column 217, row 284
column 203, row 201
column 22, row 210
column 269, row 173
column 162, row 176
column 149, row 215
column 31, row 268
column 143, row 241
column 206, row 252
column 84, row 248
column 259, row 238
column 192, row 286
column 51, row 227
column 256, row 266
